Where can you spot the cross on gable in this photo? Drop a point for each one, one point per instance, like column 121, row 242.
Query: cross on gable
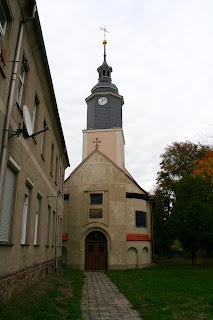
column 97, row 142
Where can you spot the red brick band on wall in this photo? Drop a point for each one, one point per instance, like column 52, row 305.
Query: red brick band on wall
column 18, row 281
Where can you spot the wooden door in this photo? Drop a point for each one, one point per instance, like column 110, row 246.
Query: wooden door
column 96, row 255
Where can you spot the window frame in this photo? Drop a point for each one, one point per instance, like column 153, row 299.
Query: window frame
column 38, row 206
column 52, row 159
column 53, row 227
column 57, row 229
column 25, row 215
column 35, row 113
column 3, row 27
column 22, row 77
column 48, row 225
column 94, row 199
column 141, row 219
column 6, row 19
column 4, row 214
column 43, row 140
column 56, row 170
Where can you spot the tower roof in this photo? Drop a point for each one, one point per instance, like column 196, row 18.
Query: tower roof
column 104, row 80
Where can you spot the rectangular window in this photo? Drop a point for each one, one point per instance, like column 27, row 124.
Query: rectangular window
column 51, row 160
column 141, row 219
column 35, row 114
column 48, row 226
column 3, row 21
column 96, row 198
column 43, row 139
column 7, row 207
column 56, row 171
column 21, row 84
column 60, row 176
column 25, row 215
column 36, row 220
column 53, row 229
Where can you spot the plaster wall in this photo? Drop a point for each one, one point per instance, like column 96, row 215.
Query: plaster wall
column 112, row 144
column 40, row 170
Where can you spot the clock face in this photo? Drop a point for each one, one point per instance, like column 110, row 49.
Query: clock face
column 102, row 101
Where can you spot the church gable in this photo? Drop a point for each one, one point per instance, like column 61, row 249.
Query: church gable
column 97, row 168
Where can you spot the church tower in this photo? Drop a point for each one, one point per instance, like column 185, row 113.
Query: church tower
column 107, row 215
column 104, row 117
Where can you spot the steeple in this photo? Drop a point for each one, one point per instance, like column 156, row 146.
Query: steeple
column 104, row 117
column 104, row 80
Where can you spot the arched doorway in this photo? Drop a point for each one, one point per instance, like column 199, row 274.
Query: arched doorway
column 95, row 251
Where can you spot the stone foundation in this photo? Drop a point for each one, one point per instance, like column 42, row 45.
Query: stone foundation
column 18, row 281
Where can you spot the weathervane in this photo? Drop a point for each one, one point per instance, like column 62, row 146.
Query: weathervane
column 104, row 42
column 104, row 30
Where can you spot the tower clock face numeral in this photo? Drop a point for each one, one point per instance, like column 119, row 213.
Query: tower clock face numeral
column 102, row 101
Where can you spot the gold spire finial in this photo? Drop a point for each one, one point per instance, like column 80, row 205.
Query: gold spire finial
column 104, row 42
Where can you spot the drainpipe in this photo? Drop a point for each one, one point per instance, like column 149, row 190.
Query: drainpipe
column 10, row 99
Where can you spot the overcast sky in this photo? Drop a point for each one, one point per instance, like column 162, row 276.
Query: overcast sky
column 161, row 52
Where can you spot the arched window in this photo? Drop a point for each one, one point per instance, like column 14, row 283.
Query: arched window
column 96, row 236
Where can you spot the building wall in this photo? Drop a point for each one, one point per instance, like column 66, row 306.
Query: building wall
column 35, row 161
column 97, row 174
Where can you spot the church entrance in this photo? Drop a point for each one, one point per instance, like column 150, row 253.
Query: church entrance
column 96, row 251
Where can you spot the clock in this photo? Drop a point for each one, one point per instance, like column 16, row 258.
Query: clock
column 102, row 101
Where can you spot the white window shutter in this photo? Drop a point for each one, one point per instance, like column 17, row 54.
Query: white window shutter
column 25, row 212
column 7, row 205
column 36, row 221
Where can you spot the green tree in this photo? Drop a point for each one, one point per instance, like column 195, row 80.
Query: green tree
column 162, row 239
column 177, row 160
column 192, row 216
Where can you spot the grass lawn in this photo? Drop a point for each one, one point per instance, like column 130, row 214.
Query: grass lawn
column 171, row 292
column 57, row 297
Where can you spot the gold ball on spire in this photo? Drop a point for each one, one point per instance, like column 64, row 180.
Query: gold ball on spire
column 104, row 43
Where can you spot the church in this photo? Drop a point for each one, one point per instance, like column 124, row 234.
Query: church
column 107, row 215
